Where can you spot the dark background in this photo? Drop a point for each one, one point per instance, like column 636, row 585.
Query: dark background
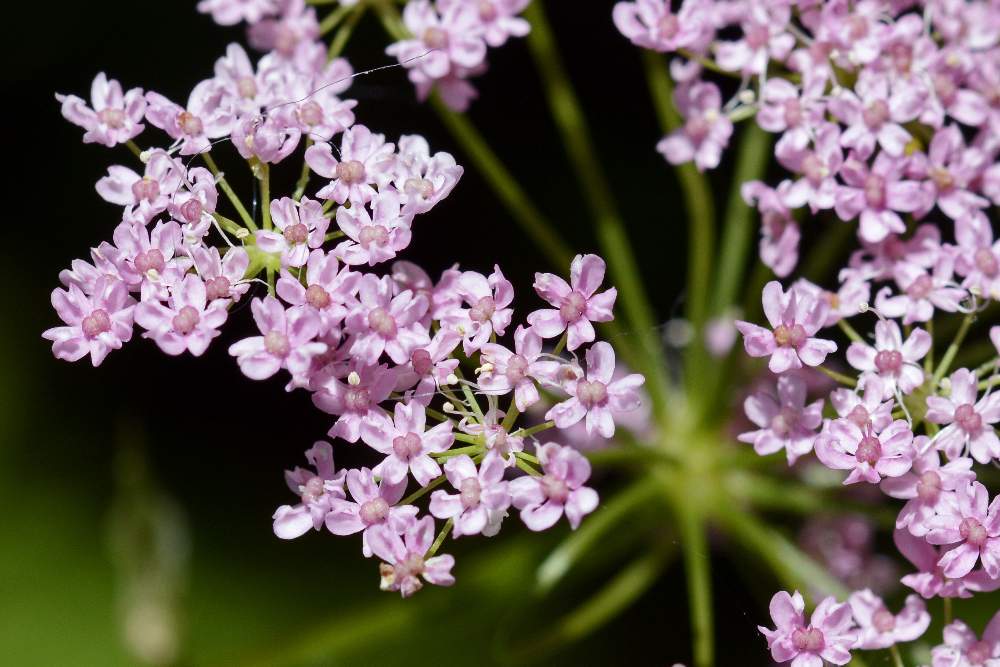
column 148, row 484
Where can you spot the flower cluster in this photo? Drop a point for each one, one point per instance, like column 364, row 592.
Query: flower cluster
column 445, row 45
column 374, row 339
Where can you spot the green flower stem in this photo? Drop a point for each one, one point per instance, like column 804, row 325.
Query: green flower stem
column 610, row 515
column 134, row 147
column 845, row 380
column 465, row 437
column 947, row 611
column 526, row 467
column 440, row 416
column 525, row 456
column 537, row 428
column 264, row 171
column 230, row 226
column 708, row 63
column 439, row 540
column 572, row 126
column 630, row 456
column 303, row 182
column 849, row 331
column 952, row 350
column 333, row 18
column 419, row 493
column 470, row 397
column 561, row 345
column 340, row 39
column 334, row 235
column 511, row 416
column 472, row 449
column 233, row 199
column 989, row 382
column 988, row 367
column 897, row 659
column 793, row 568
column 929, row 359
column 825, row 255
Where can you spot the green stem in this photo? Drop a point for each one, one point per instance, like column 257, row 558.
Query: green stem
column 134, row 147
column 537, row 428
column 419, row 493
column 989, row 382
column 526, row 467
column 230, row 226
column 511, row 416
column 233, row 199
column 265, row 193
column 471, row 398
column 333, row 19
column 561, row 345
column 439, row 540
column 334, row 235
column 300, row 185
column 929, row 359
column 339, row 40
column 839, row 377
column 952, row 350
column 947, row 611
column 897, row 659
column 697, row 564
column 849, row 331
column 471, row 449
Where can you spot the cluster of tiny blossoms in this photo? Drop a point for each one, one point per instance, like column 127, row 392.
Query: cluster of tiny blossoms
column 375, row 340
column 448, row 43
column 888, row 113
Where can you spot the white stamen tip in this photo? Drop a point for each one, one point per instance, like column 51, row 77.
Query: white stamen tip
column 145, row 155
column 449, row 408
column 242, row 233
column 451, row 379
column 863, row 307
column 353, row 379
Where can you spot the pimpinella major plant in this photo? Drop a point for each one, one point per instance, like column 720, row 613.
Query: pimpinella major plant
column 867, row 156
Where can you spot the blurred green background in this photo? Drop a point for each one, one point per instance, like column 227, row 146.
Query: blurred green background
column 139, row 494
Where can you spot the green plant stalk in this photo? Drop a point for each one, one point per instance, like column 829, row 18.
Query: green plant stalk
column 572, row 126
column 340, row 39
column 845, row 380
column 230, row 194
column 850, row 331
column 439, row 540
column 303, row 182
column 134, row 147
column 333, row 19
column 265, row 194
column 952, row 350
column 697, row 570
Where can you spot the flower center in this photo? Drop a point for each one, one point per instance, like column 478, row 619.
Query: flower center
column 875, row 191
column 297, row 233
column 96, row 323
column 190, row 124
column 317, row 297
column 517, row 368
column 697, row 128
column 483, row 310
column 407, row 446
column 435, row 38
column 986, row 262
column 875, row 114
column 487, row 12
column 793, row 112
column 276, row 343
column 783, row 422
column 591, row 393
column 418, row 187
column 942, row 178
column 312, row 490
column 945, row 87
column 790, row 336
column 351, row 172
column 381, row 322
column 374, row 511
column 669, row 26
column 285, row 40
column 373, row 234
column 311, row 113
column 217, row 288
column 929, row 487
column 757, row 36
column 888, row 361
column 972, row 532
column 470, row 492
column 968, row 419
column 413, row 566
column 884, row 621
column 554, row 488
column 247, row 87
column 979, row 653
column 920, row 288
column 151, row 260
column 808, row 639
column 357, row 400
column 857, row 27
column 192, row 210
column 573, row 307
column 869, row 450
column 145, row 188
column 859, row 416
column 422, row 363
column 813, row 169
column 186, row 320
column 113, row 118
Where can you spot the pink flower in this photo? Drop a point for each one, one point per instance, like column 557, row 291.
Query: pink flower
column 224, row 277
column 147, row 261
column 482, row 494
column 517, row 370
column 194, row 203
column 328, row 290
column 876, row 194
column 930, row 581
column 497, row 438
column 870, row 454
column 372, row 507
column 875, row 113
column 231, row 12
column 867, row 409
column 978, row 255
column 205, row 118
column 596, row 396
column 373, row 238
column 846, row 302
column 185, row 324
column 406, row 561
column 950, row 169
column 423, row 179
column 112, row 118
column 651, row 24
column 264, row 138
column 818, row 169
column 488, row 299
column 301, row 227
column 880, row 628
column 446, row 42
column 430, row 366
column 968, row 421
column 288, row 341
column 356, row 400
column 765, row 37
column 785, row 421
column 779, row 242
column 706, row 129
column 576, row 305
column 794, row 317
column 894, row 361
column 385, row 323
column 144, row 197
column 95, row 323
column 922, row 292
column 962, row 648
column 794, row 112
column 295, row 25
column 926, row 486
column 319, row 114
column 967, row 521
column 498, row 19
column 829, row 635
column 542, row 500
column 316, row 489
column 365, row 162
column 407, row 446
